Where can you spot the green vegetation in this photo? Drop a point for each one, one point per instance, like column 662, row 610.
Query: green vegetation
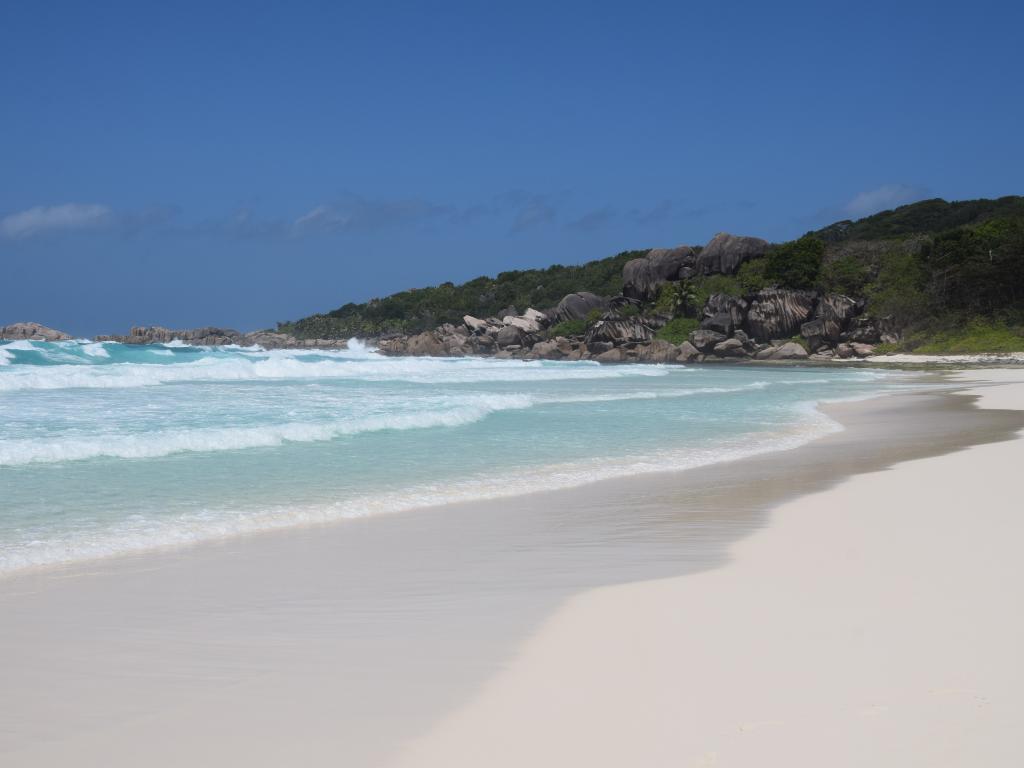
column 417, row 310
column 568, row 328
column 845, row 274
column 925, row 217
column 703, row 287
column 795, row 264
column 752, row 276
column 976, row 336
column 678, row 330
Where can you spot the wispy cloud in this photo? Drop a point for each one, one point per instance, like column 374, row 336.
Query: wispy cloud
column 358, row 214
column 593, row 221
column 655, row 215
column 54, row 218
column 535, row 211
column 883, row 198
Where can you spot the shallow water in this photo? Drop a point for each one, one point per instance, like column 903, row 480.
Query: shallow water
column 108, row 448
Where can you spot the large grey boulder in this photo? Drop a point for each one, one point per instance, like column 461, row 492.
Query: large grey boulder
column 658, row 351
column 611, row 356
column 705, row 340
column 31, row 332
column 726, row 253
column 642, row 278
column 687, row 352
column 531, row 321
column 814, row 332
column 730, row 348
column 424, row 344
column 790, row 351
column 576, row 306
column 777, row 313
column 510, row 335
column 475, row 324
column 550, row 350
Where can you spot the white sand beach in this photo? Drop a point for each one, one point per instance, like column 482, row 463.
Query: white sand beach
column 875, row 623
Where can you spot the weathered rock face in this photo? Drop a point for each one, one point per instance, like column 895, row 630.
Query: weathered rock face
column 619, row 331
column 835, row 312
column 643, row 278
column 814, row 332
column 31, row 332
column 576, row 306
column 777, row 313
column 687, row 352
column 725, row 253
column 705, row 341
column 723, row 313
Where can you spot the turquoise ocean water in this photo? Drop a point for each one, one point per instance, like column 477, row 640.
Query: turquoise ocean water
column 107, row 448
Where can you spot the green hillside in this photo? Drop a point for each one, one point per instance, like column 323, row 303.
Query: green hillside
column 950, row 275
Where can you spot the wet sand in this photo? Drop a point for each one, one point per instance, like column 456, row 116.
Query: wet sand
column 360, row 643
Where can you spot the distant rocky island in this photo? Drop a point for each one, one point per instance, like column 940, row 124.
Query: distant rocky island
column 934, row 276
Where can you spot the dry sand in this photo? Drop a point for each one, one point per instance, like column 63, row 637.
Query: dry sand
column 870, row 623
column 877, row 623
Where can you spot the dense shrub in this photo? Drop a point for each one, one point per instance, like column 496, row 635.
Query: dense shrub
column 752, row 276
column 847, row 275
column 795, row 264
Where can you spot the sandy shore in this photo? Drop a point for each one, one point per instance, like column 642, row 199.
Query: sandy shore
column 870, row 622
column 876, row 623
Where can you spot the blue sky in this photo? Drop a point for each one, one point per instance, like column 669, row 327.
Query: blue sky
column 238, row 164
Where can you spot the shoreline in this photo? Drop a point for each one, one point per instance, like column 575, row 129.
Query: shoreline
column 430, row 605
column 871, row 623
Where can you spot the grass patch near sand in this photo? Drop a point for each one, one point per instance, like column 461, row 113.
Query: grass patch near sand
column 975, row 337
column 677, row 331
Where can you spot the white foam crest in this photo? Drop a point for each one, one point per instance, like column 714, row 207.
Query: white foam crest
column 155, row 444
column 22, row 345
column 96, row 349
column 139, row 534
column 293, row 366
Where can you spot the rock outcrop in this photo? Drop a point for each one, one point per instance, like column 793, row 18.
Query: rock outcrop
column 214, row 336
column 31, row 332
column 576, row 306
column 619, row 330
column 778, row 313
column 726, row 253
column 642, row 278
column 723, row 313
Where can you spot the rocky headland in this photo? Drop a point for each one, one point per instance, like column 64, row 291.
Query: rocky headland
column 767, row 324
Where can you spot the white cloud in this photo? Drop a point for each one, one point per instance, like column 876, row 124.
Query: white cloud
column 883, row 198
column 42, row 219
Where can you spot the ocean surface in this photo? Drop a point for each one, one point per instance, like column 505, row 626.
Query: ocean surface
column 108, row 448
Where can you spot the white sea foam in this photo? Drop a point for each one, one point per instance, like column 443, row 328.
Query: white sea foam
column 153, row 444
column 271, row 366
